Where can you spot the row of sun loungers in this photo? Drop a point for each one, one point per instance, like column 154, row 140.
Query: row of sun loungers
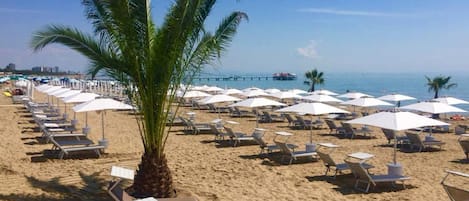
column 60, row 132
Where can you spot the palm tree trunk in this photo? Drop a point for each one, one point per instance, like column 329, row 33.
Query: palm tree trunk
column 436, row 94
column 153, row 178
column 312, row 87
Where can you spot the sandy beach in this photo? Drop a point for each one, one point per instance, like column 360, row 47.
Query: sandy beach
column 208, row 170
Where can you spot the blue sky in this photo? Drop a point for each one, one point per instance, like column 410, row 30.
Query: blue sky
column 283, row 35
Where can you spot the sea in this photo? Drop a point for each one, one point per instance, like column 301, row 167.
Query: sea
column 375, row 84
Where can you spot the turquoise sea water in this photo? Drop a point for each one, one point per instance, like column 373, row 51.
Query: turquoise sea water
column 376, row 84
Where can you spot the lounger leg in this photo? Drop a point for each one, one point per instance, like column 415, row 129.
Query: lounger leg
column 327, row 171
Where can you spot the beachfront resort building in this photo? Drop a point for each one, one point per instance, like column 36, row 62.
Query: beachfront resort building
column 45, row 69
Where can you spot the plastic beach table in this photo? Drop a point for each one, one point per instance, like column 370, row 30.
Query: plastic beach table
column 361, row 155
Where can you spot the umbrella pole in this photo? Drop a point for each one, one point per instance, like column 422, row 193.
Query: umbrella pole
column 102, row 122
column 311, row 131
column 395, row 149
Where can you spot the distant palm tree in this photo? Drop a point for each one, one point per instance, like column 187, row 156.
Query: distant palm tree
column 314, row 77
column 129, row 47
column 438, row 83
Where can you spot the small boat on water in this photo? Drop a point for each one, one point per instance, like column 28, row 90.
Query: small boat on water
column 284, row 76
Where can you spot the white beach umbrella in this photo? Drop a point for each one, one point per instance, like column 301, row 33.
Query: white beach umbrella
column 194, row 94
column 324, row 92
column 298, row 91
column 102, row 105
column 254, row 93
column 397, row 121
column 285, row 95
column 433, row 107
column 218, row 99
column 366, row 102
column 321, row 98
column 68, row 93
column 256, row 102
column 396, row 97
column 80, row 98
column 232, row 91
column 354, row 95
column 312, row 109
column 213, row 89
column 451, row 100
column 42, row 87
column 58, row 91
column 251, row 89
column 272, row 90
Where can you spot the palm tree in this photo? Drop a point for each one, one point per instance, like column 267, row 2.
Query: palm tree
column 314, row 77
column 438, row 83
column 128, row 46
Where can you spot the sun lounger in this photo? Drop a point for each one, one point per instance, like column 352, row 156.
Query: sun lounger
column 68, row 150
column 259, row 137
column 197, row 128
column 118, row 194
column 294, row 155
column 237, row 137
column 292, row 123
column 338, row 167
column 465, row 146
column 362, row 176
column 269, row 118
column 307, row 124
column 391, row 135
column 352, row 132
column 333, row 127
column 416, row 142
column 456, row 193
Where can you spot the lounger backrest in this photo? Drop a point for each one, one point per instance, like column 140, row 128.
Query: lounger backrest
column 465, row 145
column 331, row 124
column 300, row 119
column 326, row 159
column 455, row 193
column 229, row 131
column 214, row 129
column 283, row 147
column 359, row 172
column 388, row 133
column 414, row 138
column 289, row 118
column 348, row 128
column 267, row 116
column 258, row 136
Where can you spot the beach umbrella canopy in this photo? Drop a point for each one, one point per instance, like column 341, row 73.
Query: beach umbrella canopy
column 213, row 89
column 42, row 87
column 272, row 90
column 50, row 89
column 321, row 98
column 366, row 102
column 194, row 94
column 254, row 93
column 251, row 89
column 101, row 104
column 354, row 95
column 396, row 97
column 232, row 91
column 397, row 121
column 298, row 91
column 68, row 93
column 312, row 109
column 58, row 91
column 285, row 95
column 80, row 98
column 21, row 83
column 451, row 100
column 218, row 99
column 198, row 88
column 433, row 107
column 256, row 102
column 324, row 92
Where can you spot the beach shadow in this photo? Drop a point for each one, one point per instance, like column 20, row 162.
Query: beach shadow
column 277, row 159
column 92, row 189
column 345, row 185
column 461, row 161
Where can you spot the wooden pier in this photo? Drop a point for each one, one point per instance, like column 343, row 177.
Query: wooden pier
column 234, row 77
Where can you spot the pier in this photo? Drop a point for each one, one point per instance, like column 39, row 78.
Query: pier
column 211, row 77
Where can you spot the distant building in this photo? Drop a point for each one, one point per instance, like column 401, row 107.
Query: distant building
column 10, row 67
column 45, row 69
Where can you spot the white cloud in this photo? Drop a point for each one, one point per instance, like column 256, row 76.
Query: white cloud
column 351, row 12
column 309, row 51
